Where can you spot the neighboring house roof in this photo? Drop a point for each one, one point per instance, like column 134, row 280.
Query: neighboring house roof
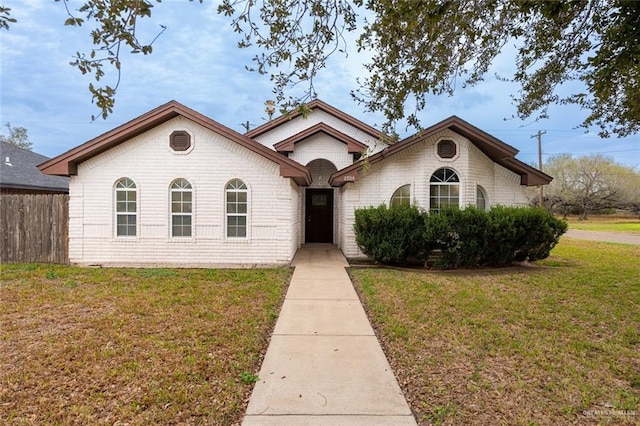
column 19, row 170
column 495, row 149
column 66, row 164
column 288, row 145
column 316, row 104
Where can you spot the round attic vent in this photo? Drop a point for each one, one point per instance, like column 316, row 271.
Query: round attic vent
column 180, row 140
column 446, row 149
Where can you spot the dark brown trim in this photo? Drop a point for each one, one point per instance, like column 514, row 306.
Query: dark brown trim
column 288, row 145
column 180, row 140
column 66, row 164
column 316, row 104
column 495, row 149
column 447, row 148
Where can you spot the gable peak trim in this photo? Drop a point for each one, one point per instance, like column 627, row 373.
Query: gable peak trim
column 66, row 164
column 353, row 145
column 313, row 105
column 498, row 151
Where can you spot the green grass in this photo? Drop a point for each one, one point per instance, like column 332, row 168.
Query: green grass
column 553, row 344
column 136, row 346
column 606, row 223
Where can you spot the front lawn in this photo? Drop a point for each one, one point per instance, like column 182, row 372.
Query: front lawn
column 557, row 343
column 132, row 346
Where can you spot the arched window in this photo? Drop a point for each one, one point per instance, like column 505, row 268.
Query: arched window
column 237, row 208
column 126, row 208
column 444, row 190
column 401, row 196
column 481, row 198
column 181, row 208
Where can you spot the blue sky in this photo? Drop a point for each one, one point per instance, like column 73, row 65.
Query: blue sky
column 197, row 63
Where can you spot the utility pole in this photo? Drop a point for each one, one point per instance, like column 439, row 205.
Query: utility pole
column 539, row 136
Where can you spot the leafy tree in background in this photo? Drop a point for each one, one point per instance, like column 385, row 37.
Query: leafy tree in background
column 591, row 183
column 419, row 48
column 18, row 137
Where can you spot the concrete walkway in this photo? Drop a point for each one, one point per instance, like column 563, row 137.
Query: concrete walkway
column 324, row 365
column 610, row 237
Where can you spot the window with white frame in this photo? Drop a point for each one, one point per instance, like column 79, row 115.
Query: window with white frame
column 181, row 208
column 237, row 209
column 444, row 190
column 402, row 195
column 481, row 198
column 126, row 208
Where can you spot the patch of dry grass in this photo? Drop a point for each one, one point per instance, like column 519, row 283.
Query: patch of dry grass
column 556, row 344
column 132, row 346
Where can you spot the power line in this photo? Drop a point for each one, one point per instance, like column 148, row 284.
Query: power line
column 539, row 136
column 582, row 153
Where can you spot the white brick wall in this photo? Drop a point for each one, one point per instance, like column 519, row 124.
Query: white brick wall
column 276, row 225
column 213, row 161
column 415, row 166
column 322, row 146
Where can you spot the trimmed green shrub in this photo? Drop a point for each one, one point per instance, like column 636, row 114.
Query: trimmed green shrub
column 460, row 235
column 467, row 238
column 536, row 232
column 501, row 236
column 389, row 234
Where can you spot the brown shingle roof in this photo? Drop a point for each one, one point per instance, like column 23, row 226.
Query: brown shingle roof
column 492, row 147
column 66, row 164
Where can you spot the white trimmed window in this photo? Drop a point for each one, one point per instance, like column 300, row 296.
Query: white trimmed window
column 444, row 190
column 126, row 208
column 481, row 198
column 237, row 209
column 181, row 208
column 401, row 196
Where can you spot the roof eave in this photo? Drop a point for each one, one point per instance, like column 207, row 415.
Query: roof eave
column 35, row 187
column 495, row 149
column 66, row 164
column 529, row 176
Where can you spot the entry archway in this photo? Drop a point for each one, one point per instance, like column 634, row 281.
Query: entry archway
column 319, row 204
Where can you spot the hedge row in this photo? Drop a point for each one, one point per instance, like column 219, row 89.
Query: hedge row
column 466, row 238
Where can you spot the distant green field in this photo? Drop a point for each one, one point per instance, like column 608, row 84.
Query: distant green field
column 606, row 223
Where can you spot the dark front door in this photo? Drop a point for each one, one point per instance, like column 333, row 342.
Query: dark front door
column 319, row 216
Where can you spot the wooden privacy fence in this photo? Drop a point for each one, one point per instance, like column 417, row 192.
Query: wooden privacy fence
column 34, row 228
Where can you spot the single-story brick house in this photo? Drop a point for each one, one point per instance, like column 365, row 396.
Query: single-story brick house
column 174, row 187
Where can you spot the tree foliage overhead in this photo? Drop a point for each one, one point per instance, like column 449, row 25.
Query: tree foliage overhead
column 432, row 47
column 418, row 48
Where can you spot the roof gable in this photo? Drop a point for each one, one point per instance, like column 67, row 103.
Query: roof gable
column 498, row 151
column 19, row 170
column 288, row 145
column 66, row 164
column 313, row 105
